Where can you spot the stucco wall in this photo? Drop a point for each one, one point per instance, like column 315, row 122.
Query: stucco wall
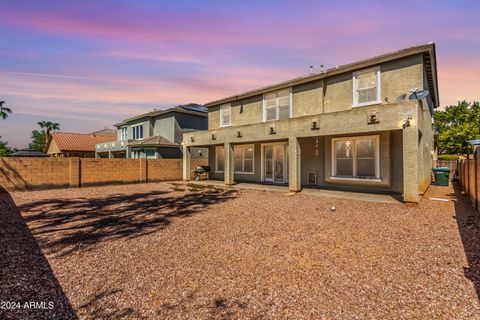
column 165, row 127
column 397, row 79
column 391, row 169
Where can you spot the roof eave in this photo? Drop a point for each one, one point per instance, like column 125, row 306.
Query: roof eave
column 333, row 71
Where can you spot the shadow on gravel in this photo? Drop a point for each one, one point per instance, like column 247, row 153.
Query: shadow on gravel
column 468, row 221
column 102, row 306
column 63, row 226
column 26, row 275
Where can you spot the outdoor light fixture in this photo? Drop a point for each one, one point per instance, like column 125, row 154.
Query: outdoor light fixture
column 372, row 118
column 272, row 130
column 406, row 122
column 192, row 139
column 239, row 134
column 214, row 137
column 315, row 125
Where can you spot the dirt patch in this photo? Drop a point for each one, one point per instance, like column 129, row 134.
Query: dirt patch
column 162, row 251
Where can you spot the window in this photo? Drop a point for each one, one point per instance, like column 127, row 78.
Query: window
column 124, row 133
column 225, row 115
column 219, row 162
column 277, row 105
column 244, row 158
column 150, row 153
column 366, row 87
column 356, row 158
column 137, row 132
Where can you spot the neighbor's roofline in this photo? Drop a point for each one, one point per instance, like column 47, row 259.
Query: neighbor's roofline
column 156, row 113
column 429, row 47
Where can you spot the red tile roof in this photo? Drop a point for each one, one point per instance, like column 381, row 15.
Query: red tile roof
column 68, row 141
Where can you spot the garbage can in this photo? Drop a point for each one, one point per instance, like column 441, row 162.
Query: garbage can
column 441, row 175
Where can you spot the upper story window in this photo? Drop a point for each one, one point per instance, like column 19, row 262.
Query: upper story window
column 277, row 105
column 124, row 133
column 225, row 115
column 366, row 87
column 137, row 132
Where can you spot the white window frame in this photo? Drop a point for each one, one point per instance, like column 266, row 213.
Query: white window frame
column 276, row 104
column 355, row 87
column 244, row 147
column 216, row 158
column 134, row 137
column 124, row 133
column 229, row 106
column 376, row 138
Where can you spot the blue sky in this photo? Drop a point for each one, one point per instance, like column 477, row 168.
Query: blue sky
column 90, row 64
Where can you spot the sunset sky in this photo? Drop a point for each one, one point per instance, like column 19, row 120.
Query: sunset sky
column 89, row 64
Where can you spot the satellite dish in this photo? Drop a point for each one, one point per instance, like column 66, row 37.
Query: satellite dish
column 418, row 94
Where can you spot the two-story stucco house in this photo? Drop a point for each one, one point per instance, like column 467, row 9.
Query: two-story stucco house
column 356, row 126
column 156, row 134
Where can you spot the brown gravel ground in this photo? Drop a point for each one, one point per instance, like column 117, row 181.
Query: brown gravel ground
column 171, row 251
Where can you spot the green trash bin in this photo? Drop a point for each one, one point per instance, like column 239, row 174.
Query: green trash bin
column 441, row 176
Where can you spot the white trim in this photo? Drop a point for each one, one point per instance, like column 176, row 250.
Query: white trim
column 222, row 125
column 376, row 139
column 285, row 166
column 355, row 87
column 216, row 158
column 264, row 104
column 357, row 179
column 244, row 146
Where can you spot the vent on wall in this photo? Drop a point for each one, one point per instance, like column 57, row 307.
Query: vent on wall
column 312, row 177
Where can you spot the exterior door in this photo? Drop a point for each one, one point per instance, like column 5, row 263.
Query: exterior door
column 275, row 163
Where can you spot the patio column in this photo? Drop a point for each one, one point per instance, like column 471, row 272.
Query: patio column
column 186, row 163
column 228, row 167
column 410, row 165
column 294, row 165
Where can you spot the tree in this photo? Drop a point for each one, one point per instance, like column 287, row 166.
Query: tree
column 4, row 111
column 456, row 125
column 48, row 126
column 38, row 140
column 5, row 150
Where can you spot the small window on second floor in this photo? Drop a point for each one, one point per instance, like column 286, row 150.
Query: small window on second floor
column 137, row 132
column 225, row 115
column 124, row 133
column 366, row 87
column 277, row 105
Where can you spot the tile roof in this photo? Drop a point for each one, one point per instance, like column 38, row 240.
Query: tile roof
column 69, row 141
column 153, row 140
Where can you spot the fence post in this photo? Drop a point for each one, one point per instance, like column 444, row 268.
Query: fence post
column 75, row 173
column 475, row 181
column 143, row 170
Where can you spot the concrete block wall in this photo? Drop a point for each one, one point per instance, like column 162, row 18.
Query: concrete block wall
column 43, row 173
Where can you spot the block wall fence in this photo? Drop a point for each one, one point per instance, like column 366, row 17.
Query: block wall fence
column 19, row 173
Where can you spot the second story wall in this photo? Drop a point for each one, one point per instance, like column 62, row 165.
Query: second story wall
column 331, row 94
column 164, row 126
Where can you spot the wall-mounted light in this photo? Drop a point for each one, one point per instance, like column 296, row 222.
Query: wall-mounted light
column 372, row 118
column 192, row 139
column 239, row 134
column 272, row 130
column 214, row 137
column 315, row 125
column 406, row 122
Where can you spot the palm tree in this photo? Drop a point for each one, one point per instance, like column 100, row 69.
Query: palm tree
column 4, row 111
column 48, row 126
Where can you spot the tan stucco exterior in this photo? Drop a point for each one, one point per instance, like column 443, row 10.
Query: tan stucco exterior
column 405, row 154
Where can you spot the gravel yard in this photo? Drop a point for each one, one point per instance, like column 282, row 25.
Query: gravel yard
column 176, row 251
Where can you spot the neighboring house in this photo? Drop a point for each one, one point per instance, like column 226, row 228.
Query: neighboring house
column 156, row 134
column 356, row 126
column 105, row 131
column 69, row 144
column 27, row 153
column 476, row 147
